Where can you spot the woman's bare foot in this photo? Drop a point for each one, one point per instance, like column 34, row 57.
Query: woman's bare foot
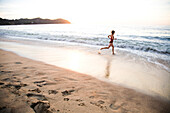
column 99, row 52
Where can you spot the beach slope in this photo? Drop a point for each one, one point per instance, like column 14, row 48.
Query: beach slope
column 28, row 86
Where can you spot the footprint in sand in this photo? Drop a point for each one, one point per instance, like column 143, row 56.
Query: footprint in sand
column 28, row 67
column 6, row 79
column 35, row 90
column 36, row 82
column 66, row 99
column 79, row 100
column 70, row 79
column 43, row 83
column 16, row 86
column 18, row 62
column 37, row 96
column 52, row 92
column 39, row 83
column 91, row 97
column 65, row 93
column 115, row 105
column 81, row 104
column 1, row 83
column 4, row 72
column 41, row 107
column 99, row 104
column 26, row 77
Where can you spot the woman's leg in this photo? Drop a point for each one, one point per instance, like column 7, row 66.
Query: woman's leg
column 105, row 47
column 113, row 49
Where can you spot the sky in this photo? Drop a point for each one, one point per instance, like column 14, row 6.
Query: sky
column 147, row 12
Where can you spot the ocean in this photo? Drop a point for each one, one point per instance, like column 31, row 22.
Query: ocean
column 142, row 60
column 150, row 42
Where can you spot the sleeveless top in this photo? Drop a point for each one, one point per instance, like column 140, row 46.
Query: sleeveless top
column 111, row 40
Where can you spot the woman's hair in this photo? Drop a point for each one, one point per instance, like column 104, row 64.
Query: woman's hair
column 112, row 31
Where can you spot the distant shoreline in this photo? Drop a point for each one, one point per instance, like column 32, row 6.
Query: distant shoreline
column 26, row 21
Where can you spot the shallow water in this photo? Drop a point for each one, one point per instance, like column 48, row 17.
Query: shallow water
column 150, row 42
column 125, row 69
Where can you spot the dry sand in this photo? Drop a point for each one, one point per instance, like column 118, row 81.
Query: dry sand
column 28, row 86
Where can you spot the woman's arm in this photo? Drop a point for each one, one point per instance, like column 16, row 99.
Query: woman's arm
column 109, row 36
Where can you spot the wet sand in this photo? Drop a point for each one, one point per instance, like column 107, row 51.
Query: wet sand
column 28, row 86
column 125, row 69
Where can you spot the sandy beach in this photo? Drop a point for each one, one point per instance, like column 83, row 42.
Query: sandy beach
column 29, row 86
column 103, row 56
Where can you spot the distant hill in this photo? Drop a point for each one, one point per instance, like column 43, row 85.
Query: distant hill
column 32, row 21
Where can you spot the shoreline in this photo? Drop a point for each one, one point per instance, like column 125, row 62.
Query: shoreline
column 84, row 60
column 36, row 86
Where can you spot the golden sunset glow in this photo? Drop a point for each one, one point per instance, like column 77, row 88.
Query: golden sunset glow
column 90, row 11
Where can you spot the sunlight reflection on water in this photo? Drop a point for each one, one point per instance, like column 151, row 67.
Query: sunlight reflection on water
column 125, row 70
